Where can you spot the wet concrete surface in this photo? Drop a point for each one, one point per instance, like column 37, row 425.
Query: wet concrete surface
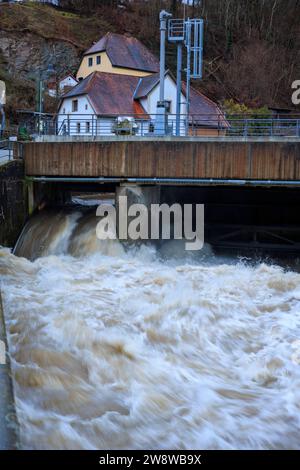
column 9, row 435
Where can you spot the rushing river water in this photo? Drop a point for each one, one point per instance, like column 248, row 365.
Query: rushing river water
column 115, row 348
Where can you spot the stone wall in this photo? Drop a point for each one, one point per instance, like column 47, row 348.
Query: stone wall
column 13, row 202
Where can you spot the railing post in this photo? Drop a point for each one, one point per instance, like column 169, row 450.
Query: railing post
column 245, row 127
column 9, row 149
column 271, row 128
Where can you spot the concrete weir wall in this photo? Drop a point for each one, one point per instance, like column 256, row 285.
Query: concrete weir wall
column 9, row 435
column 13, row 214
column 13, row 202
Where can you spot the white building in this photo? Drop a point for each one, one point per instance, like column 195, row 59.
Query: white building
column 62, row 87
column 66, row 83
column 98, row 103
column 118, row 78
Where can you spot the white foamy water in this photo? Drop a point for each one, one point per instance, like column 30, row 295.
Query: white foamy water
column 118, row 350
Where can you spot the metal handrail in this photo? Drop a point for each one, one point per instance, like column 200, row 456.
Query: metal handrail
column 6, row 151
column 143, row 125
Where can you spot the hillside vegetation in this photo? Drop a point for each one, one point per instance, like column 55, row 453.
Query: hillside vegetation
column 252, row 48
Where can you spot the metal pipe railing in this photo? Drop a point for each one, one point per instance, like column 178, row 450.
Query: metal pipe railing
column 6, row 151
column 143, row 125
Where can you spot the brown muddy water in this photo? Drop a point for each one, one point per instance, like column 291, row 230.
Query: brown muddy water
column 131, row 348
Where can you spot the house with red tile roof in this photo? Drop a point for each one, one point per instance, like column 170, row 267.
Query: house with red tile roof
column 129, row 89
column 120, row 54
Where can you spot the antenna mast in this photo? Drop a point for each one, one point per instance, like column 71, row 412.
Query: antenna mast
column 189, row 33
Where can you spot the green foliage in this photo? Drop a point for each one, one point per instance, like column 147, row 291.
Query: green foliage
column 247, row 121
column 231, row 108
column 23, row 134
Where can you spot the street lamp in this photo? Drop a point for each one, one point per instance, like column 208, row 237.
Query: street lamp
column 50, row 70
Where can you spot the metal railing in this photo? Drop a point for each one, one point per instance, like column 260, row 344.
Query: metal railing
column 143, row 125
column 6, row 151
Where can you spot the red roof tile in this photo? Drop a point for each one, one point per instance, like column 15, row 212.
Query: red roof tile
column 146, row 85
column 116, row 94
column 126, row 52
column 109, row 93
column 203, row 111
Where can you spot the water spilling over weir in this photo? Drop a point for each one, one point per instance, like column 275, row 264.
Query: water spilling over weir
column 117, row 347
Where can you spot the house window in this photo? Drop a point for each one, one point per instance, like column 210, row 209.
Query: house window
column 74, row 106
column 98, row 59
column 90, row 61
column 86, row 107
column 87, row 127
column 64, row 111
column 78, row 128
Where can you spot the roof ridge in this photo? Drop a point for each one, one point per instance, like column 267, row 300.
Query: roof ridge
column 137, row 87
column 68, row 75
column 98, row 72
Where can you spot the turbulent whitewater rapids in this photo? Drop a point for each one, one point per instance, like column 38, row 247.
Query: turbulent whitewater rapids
column 130, row 348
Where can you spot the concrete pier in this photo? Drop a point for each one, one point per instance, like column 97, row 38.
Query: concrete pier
column 9, row 434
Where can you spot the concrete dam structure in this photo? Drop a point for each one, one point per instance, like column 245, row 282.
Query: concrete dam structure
column 257, row 160
column 141, row 308
column 250, row 187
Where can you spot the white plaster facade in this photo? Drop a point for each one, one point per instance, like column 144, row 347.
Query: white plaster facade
column 81, row 118
column 150, row 103
column 67, row 82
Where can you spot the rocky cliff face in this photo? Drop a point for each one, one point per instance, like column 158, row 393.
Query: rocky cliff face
column 251, row 55
column 27, row 56
column 32, row 36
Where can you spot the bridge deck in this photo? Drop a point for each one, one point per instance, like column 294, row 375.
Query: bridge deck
column 276, row 159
